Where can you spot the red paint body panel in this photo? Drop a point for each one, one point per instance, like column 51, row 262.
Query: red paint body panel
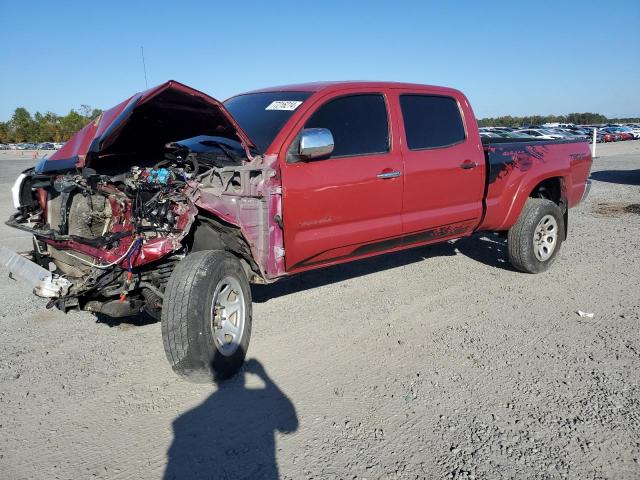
column 333, row 206
column 527, row 165
column 254, row 211
column 338, row 210
column 151, row 250
column 105, row 128
column 437, row 190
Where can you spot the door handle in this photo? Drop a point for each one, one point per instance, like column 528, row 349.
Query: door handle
column 467, row 164
column 391, row 174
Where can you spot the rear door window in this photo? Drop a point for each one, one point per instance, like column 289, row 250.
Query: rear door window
column 358, row 123
column 431, row 121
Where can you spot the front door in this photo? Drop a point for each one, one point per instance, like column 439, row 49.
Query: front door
column 333, row 207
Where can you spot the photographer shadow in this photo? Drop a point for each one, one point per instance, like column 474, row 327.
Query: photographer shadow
column 231, row 435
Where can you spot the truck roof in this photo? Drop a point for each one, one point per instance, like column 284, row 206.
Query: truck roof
column 351, row 84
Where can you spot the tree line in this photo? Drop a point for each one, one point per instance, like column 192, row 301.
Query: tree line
column 50, row 127
column 45, row 127
column 586, row 118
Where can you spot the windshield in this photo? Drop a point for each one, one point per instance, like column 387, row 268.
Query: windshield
column 262, row 115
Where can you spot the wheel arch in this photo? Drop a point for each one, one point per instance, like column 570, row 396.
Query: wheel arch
column 210, row 232
column 552, row 188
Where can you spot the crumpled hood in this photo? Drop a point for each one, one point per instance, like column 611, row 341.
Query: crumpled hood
column 143, row 124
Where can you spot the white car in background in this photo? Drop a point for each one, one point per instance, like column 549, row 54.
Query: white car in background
column 488, row 134
column 635, row 131
column 541, row 133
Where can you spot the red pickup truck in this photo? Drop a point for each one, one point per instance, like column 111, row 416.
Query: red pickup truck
column 173, row 202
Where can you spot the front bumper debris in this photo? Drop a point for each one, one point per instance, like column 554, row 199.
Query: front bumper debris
column 42, row 281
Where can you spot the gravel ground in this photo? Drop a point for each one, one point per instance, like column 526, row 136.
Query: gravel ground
column 439, row 362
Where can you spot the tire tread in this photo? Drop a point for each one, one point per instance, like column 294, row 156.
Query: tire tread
column 184, row 306
column 519, row 244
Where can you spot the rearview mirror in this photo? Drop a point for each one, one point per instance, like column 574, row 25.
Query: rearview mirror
column 315, row 143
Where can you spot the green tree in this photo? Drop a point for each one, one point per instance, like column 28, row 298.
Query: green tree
column 89, row 112
column 586, row 118
column 71, row 123
column 22, row 125
column 95, row 113
column 48, row 127
column 5, row 136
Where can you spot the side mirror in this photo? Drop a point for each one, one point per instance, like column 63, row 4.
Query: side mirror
column 315, row 143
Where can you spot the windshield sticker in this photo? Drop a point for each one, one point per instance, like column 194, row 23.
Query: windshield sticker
column 288, row 105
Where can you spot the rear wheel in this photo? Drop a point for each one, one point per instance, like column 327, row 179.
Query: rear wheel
column 535, row 240
column 206, row 316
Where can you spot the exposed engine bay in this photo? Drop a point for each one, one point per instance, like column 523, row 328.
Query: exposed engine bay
column 162, row 174
column 135, row 222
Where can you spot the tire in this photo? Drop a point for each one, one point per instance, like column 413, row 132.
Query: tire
column 529, row 240
column 202, row 346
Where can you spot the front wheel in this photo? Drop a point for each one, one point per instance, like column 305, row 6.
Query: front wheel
column 206, row 316
column 534, row 241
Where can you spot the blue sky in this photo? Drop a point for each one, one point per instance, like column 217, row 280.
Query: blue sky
column 509, row 57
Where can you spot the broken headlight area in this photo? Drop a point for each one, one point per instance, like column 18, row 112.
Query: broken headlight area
column 114, row 238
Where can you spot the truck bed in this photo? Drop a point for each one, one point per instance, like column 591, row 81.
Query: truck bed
column 501, row 153
column 510, row 166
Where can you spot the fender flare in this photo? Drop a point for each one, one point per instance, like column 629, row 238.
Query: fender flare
column 524, row 192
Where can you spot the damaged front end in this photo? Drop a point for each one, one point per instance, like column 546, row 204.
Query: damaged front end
column 108, row 243
column 116, row 208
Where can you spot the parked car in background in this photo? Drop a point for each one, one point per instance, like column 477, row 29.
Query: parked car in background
column 487, row 134
column 604, row 137
column 514, row 134
column 622, row 133
column 541, row 134
column 587, row 132
column 635, row 130
column 46, row 146
column 571, row 133
column 504, row 134
column 635, row 133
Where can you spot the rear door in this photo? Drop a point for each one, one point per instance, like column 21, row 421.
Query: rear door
column 443, row 167
column 334, row 206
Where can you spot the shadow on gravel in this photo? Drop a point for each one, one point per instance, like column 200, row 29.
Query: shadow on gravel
column 623, row 177
column 231, row 435
column 487, row 248
column 139, row 320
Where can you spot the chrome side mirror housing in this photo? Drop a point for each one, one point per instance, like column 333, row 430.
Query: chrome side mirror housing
column 315, row 143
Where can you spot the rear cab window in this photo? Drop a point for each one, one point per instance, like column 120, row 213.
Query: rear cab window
column 431, row 121
column 359, row 124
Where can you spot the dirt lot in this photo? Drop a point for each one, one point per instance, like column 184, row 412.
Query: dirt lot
column 440, row 362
